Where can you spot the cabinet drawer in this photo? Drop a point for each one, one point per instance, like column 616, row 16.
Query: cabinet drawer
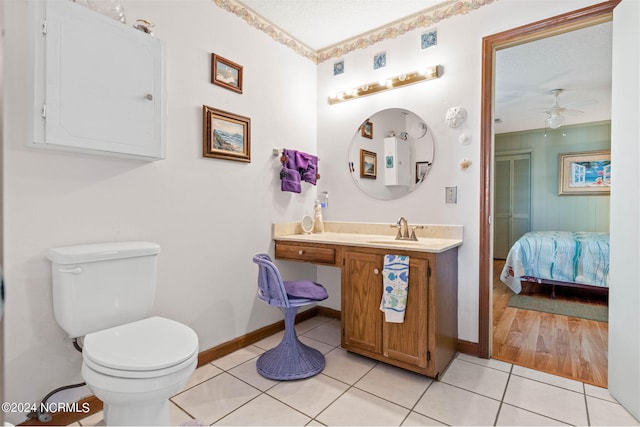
column 307, row 253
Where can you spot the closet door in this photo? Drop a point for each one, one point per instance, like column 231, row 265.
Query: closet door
column 512, row 214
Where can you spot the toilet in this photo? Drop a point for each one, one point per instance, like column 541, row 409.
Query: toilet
column 132, row 362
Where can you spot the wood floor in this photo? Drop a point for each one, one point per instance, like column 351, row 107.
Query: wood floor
column 560, row 345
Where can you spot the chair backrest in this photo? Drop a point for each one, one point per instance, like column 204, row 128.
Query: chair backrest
column 270, row 285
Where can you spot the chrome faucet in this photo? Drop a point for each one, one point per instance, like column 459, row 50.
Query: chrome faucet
column 403, row 230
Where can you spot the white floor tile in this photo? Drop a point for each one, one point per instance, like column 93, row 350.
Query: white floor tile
column 605, row 413
column 309, row 324
column 327, row 333
column 599, row 392
column 489, row 363
column 512, row 416
column 237, row 357
column 318, row 345
column 309, row 396
column 177, row 416
column 358, row 408
column 96, row 419
column 454, row 406
column 555, row 402
column 548, row 378
column 202, row 374
column 394, row 384
column 248, row 373
column 215, row 398
column 415, row 419
column 347, row 367
column 271, row 341
column 479, row 379
column 264, row 410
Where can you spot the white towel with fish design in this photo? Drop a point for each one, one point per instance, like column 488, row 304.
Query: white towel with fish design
column 395, row 284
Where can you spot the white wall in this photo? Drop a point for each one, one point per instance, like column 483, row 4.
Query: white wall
column 210, row 216
column 624, row 295
column 459, row 51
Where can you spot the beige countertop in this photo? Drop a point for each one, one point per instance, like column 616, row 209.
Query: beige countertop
column 431, row 238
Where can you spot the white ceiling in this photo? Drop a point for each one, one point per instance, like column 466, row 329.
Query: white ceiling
column 578, row 62
column 323, row 23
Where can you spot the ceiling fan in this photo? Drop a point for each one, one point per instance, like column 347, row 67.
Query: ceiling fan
column 555, row 117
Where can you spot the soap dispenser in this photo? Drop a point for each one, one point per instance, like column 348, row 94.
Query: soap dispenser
column 318, row 224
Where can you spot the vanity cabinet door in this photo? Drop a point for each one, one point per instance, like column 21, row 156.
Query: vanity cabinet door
column 361, row 295
column 407, row 341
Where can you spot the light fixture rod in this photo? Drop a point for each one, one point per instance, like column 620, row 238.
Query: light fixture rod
column 400, row 80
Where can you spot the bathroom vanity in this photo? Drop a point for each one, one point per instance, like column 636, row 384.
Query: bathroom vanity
column 427, row 339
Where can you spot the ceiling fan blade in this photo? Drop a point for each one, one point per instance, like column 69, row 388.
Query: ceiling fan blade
column 581, row 103
column 571, row 112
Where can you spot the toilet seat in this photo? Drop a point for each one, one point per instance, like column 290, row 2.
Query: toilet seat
column 146, row 348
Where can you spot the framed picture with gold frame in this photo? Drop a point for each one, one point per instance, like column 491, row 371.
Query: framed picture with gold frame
column 225, row 135
column 586, row 173
column 226, row 73
column 368, row 164
column 366, row 129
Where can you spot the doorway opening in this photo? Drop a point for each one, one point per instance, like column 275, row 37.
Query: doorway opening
column 571, row 21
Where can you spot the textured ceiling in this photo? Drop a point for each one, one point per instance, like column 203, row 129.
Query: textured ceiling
column 323, row 23
column 579, row 62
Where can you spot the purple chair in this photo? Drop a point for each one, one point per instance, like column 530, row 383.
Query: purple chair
column 291, row 359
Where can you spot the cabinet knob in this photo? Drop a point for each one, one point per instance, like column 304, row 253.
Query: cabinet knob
column 300, row 252
column 148, row 96
column 376, row 271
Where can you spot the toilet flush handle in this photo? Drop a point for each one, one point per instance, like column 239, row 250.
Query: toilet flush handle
column 76, row 270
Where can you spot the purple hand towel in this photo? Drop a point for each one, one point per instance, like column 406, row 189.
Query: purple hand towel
column 311, row 172
column 290, row 180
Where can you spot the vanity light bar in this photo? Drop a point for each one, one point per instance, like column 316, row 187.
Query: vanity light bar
column 403, row 79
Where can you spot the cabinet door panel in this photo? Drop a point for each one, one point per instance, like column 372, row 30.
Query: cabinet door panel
column 407, row 341
column 361, row 295
column 103, row 84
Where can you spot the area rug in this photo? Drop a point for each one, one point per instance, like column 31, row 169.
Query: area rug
column 565, row 308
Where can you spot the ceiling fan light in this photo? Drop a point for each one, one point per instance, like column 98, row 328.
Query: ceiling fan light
column 554, row 122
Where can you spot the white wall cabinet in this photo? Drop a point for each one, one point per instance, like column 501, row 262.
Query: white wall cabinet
column 98, row 83
column 397, row 161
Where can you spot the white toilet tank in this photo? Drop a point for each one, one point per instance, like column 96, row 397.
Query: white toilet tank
column 98, row 286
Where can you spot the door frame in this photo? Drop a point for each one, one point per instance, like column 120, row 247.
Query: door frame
column 574, row 20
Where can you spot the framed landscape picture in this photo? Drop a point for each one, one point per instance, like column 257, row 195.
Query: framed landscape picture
column 368, row 164
column 587, row 173
column 225, row 135
column 226, row 73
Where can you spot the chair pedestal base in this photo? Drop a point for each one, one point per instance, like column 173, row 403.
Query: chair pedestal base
column 291, row 359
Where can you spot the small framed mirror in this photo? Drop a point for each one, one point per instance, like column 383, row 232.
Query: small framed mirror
column 307, row 224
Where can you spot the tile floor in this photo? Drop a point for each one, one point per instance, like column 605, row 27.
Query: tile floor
column 354, row 390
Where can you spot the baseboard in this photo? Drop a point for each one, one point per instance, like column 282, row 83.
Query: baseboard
column 468, row 347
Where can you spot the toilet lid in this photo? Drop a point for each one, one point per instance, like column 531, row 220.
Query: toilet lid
column 145, row 345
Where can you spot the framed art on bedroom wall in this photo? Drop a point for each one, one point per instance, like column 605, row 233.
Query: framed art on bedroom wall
column 585, row 173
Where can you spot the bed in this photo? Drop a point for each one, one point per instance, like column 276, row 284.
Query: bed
column 565, row 258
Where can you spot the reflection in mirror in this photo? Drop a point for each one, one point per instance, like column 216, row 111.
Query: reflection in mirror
column 391, row 153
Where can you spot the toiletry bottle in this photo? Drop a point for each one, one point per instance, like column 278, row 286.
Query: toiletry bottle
column 318, row 225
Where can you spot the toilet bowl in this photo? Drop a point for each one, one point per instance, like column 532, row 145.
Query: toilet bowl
column 134, row 363
column 136, row 367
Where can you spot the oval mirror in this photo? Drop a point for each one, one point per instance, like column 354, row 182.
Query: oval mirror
column 391, row 153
